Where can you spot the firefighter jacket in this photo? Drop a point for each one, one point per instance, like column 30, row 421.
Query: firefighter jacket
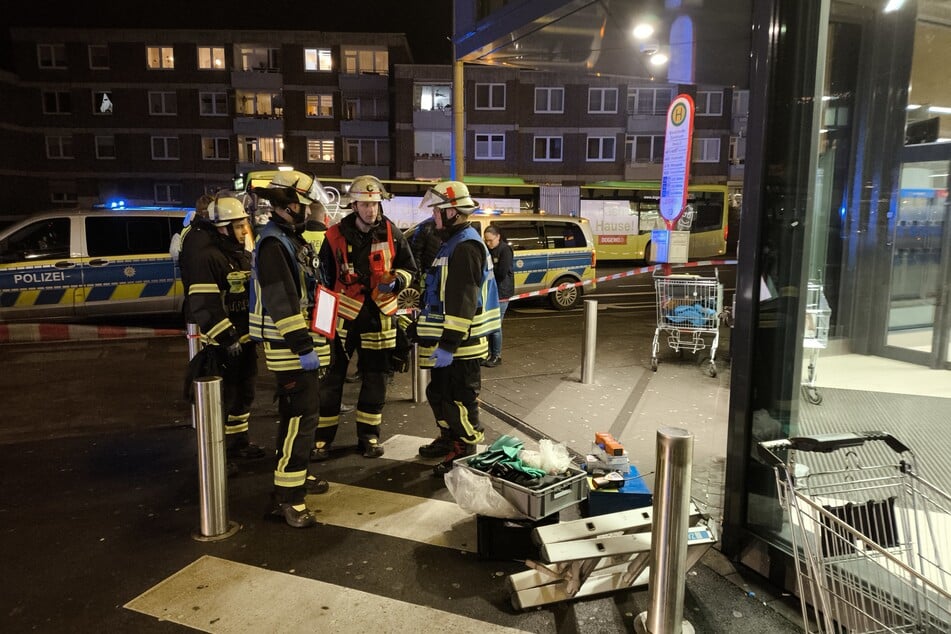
column 460, row 302
column 283, row 279
column 356, row 263
column 215, row 272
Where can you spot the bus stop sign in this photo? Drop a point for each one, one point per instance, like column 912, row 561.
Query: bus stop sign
column 677, row 141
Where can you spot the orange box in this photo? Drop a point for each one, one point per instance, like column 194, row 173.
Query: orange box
column 611, row 446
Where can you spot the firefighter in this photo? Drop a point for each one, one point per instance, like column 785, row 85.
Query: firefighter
column 367, row 262
column 460, row 306
column 284, row 275
column 215, row 272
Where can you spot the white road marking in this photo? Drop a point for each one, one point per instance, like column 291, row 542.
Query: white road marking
column 220, row 596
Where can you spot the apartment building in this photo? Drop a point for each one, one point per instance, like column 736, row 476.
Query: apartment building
column 162, row 117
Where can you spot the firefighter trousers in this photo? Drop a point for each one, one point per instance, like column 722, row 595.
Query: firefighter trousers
column 237, row 394
column 298, row 396
column 453, row 395
column 372, row 365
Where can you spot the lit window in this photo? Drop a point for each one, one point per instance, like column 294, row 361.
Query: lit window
column 365, row 60
column 549, row 100
column 102, row 102
column 317, row 59
column 490, row 96
column 432, row 96
column 602, row 100
column 165, row 148
column 51, row 55
column 490, row 147
column 601, row 148
column 320, row 150
column 319, row 105
column 548, row 148
column 211, row 58
column 160, row 57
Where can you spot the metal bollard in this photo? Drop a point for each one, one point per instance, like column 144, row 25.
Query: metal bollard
column 590, row 340
column 668, row 556
column 212, row 479
column 193, row 337
column 420, row 378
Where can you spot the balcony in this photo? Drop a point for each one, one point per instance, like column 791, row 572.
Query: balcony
column 432, row 119
column 264, row 80
column 649, row 123
column 736, row 171
column 430, row 167
column 643, row 171
column 259, row 126
column 366, row 83
column 365, row 128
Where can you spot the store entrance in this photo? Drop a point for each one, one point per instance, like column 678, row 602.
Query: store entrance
column 919, row 315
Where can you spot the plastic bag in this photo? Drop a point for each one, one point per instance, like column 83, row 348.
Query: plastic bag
column 551, row 457
column 474, row 493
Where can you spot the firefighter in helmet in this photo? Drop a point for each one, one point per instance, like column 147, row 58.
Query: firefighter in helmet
column 460, row 306
column 366, row 261
column 215, row 272
column 284, row 275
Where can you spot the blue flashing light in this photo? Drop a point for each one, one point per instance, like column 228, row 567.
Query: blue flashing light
column 116, row 204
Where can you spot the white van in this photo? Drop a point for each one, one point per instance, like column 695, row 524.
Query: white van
column 90, row 262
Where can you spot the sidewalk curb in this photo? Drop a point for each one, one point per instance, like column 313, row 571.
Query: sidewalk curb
column 31, row 333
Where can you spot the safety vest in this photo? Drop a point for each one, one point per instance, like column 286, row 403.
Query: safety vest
column 433, row 316
column 262, row 327
column 350, row 290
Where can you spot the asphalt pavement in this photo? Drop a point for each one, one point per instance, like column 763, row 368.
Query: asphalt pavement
column 100, row 497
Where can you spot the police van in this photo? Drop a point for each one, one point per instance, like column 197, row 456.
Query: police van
column 548, row 251
column 90, row 262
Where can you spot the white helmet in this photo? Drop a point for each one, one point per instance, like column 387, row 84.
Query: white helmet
column 448, row 194
column 368, row 189
column 304, row 187
column 224, row 210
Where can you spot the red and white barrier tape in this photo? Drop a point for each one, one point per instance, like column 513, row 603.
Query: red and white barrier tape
column 13, row 333
column 617, row 276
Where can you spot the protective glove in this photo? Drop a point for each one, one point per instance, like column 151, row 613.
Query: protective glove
column 310, row 361
column 441, row 358
column 234, row 350
column 387, row 287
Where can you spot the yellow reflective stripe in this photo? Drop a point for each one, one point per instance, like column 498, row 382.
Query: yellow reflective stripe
column 194, row 289
column 245, row 338
column 459, row 324
column 405, row 276
column 348, row 307
column 219, row 328
column 327, row 421
column 478, row 350
column 282, row 358
column 378, row 340
column 471, row 431
column 292, row 323
column 236, row 425
column 369, row 419
column 293, row 426
column 290, row 479
column 389, row 306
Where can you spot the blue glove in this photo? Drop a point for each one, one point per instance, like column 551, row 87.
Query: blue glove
column 310, row 361
column 441, row 358
column 387, row 287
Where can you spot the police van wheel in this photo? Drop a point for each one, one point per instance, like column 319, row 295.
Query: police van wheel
column 566, row 298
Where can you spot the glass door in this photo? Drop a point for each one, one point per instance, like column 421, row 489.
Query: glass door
column 919, row 318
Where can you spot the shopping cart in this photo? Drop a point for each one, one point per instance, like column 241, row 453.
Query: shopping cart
column 867, row 533
column 815, row 337
column 688, row 308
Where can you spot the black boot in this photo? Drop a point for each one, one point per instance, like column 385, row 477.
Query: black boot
column 370, row 445
column 295, row 515
column 460, row 449
column 438, row 448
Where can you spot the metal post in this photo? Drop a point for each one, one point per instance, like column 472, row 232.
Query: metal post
column 193, row 336
column 590, row 340
column 668, row 556
column 420, row 378
column 212, row 479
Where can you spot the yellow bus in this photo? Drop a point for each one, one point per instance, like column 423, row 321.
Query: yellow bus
column 623, row 213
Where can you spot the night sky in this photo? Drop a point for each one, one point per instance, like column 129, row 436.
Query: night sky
column 427, row 23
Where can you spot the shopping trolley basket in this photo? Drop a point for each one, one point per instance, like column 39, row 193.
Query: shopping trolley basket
column 868, row 534
column 688, row 309
column 815, row 337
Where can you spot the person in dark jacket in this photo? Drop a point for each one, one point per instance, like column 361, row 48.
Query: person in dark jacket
column 502, row 259
column 284, row 276
column 460, row 306
column 215, row 273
